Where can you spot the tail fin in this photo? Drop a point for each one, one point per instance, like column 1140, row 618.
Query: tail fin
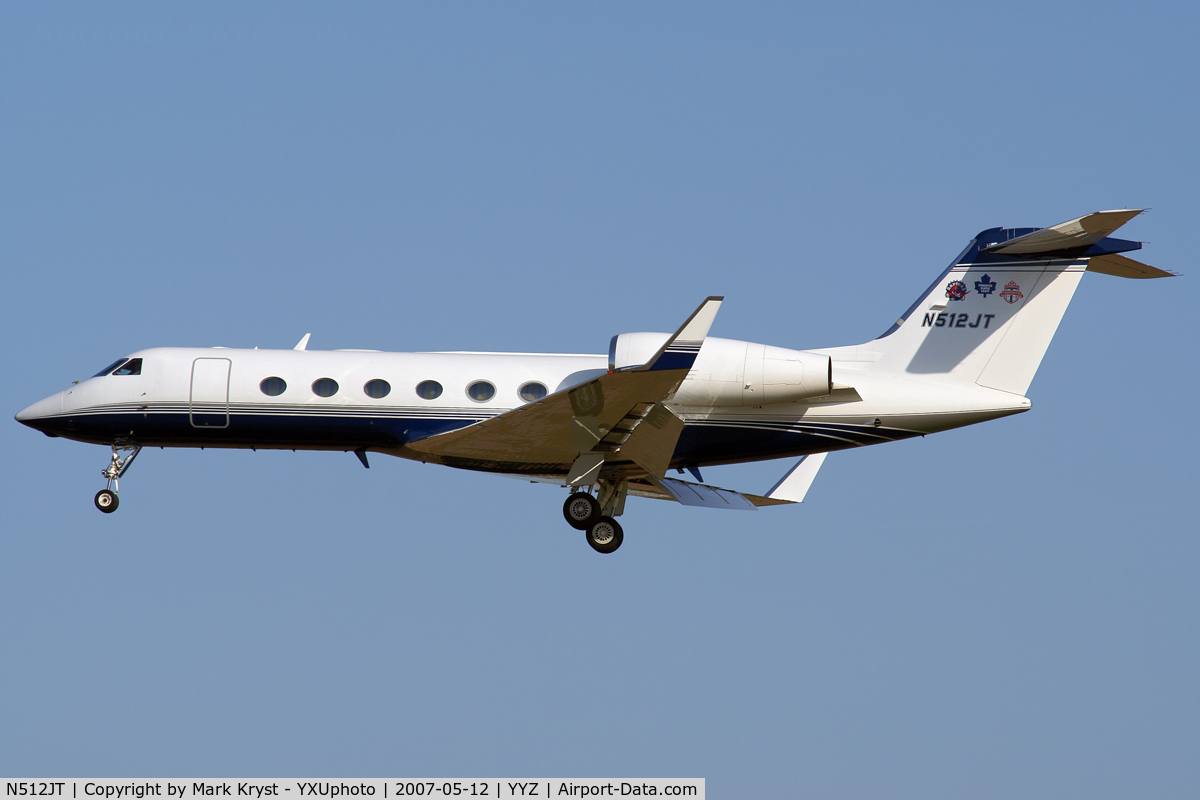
column 991, row 315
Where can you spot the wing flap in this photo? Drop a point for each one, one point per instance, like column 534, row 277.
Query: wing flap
column 701, row 495
column 652, row 442
column 792, row 488
column 698, row 494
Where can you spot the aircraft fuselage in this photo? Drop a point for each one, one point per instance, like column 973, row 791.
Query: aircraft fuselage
column 216, row 397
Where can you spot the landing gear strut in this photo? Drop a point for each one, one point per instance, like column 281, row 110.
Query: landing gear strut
column 106, row 499
column 595, row 515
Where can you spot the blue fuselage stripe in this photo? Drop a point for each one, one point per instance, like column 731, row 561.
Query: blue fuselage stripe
column 702, row 442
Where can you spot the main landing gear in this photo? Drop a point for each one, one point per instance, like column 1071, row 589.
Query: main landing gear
column 594, row 515
column 106, row 499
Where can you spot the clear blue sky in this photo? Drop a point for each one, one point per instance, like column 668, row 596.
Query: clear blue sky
column 1007, row 610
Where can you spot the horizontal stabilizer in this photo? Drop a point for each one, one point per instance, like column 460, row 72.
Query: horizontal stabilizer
column 1123, row 267
column 795, row 484
column 1082, row 232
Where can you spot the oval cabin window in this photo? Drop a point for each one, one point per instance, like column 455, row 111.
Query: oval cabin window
column 325, row 387
column 481, row 391
column 429, row 390
column 532, row 391
column 273, row 387
column 377, row 388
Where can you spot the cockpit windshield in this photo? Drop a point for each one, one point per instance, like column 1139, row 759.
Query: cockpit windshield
column 110, row 367
column 122, row 366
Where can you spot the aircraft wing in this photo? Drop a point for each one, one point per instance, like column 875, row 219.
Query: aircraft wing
column 616, row 422
column 791, row 489
column 699, row 494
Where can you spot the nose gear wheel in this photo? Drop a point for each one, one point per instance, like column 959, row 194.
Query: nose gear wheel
column 106, row 499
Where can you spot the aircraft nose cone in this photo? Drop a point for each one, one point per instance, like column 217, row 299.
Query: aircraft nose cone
column 39, row 411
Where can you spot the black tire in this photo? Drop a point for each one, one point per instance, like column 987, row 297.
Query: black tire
column 575, row 507
column 605, row 535
column 107, row 501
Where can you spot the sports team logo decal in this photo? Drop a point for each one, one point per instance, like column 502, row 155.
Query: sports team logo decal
column 985, row 285
column 1011, row 292
column 956, row 290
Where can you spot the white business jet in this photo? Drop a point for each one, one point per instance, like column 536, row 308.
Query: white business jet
column 609, row 427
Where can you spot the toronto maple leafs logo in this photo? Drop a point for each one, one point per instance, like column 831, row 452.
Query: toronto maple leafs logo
column 985, row 285
column 1011, row 292
column 956, row 290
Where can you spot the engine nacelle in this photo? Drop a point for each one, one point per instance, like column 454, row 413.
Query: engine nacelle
column 733, row 373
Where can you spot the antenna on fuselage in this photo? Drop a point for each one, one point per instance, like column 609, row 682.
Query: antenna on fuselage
column 303, row 343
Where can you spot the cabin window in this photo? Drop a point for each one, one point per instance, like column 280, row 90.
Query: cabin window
column 481, row 391
column 377, row 388
column 110, row 367
column 532, row 391
column 325, row 387
column 131, row 367
column 273, row 387
column 429, row 390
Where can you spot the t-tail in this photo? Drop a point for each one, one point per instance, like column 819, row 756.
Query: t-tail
column 991, row 315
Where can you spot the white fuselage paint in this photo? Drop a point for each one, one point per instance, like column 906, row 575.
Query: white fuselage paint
column 202, row 389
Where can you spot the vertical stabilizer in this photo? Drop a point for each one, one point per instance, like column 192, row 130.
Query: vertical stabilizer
column 989, row 318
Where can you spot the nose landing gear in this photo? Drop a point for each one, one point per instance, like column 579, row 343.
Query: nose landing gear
column 594, row 515
column 106, row 499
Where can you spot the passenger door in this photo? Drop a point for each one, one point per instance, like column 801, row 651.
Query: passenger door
column 209, row 403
